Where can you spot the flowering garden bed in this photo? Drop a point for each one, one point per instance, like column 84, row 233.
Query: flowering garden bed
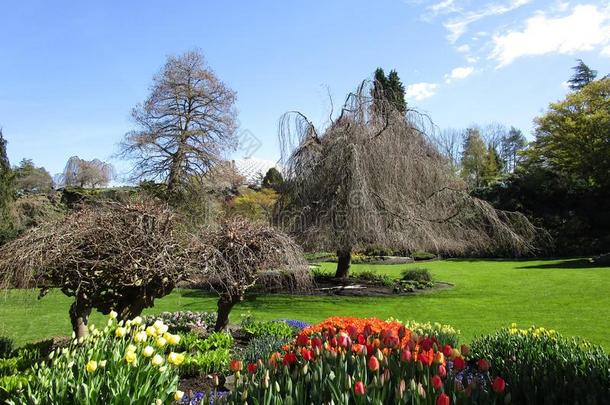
column 174, row 358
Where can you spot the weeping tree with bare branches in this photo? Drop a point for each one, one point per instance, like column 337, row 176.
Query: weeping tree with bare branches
column 118, row 256
column 237, row 253
column 373, row 178
column 87, row 173
column 184, row 126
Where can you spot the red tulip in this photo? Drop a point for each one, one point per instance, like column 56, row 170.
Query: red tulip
column 236, row 365
column 302, row 340
column 344, row 341
column 289, row 358
column 316, row 342
column 360, row 388
column 483, row 365
column 307, row 354
column 442, row 371
column 437, row 383
column 251, row 368
column 498, row 385
column 459, row 363
column 447, row 350
column 405, row 356
column 442, row 399
column 373, row 363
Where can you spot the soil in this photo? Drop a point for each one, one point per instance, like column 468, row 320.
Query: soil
column 202, row 383
column 365, row 288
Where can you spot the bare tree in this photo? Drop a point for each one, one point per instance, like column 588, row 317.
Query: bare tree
column 238, row 252
column 449, row 142
column 111, row 257
column 87, row 173
column 185, row 124
column 367, row 181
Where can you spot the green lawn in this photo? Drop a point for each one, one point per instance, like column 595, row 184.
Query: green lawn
column 566, row 295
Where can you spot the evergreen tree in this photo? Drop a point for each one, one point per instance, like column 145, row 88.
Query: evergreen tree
column 493, row 166
column 582, row 76
column 395, row 92
column 474, row 158
column 32, row 179
column 510, row 146
column 273, row 179
column 6, row 189
column 388, row 88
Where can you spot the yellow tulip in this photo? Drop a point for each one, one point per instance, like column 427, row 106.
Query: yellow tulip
column 120, row 332
column 173, row 339
column 151, row 331
column 175, row 358
column 140, row 337
column 91, row 366
column 136, row 321
column 131, row 348
column 112, row 315
column 178, row 395
column 161, row 341
column 148, row 351
column 157, row 360
column 130, row 357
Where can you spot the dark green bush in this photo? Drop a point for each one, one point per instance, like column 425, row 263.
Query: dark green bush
column 417, row 274
column 369, row 275
column 6, row 346
column 262, row 347
column 423, row 256
column 543, row 367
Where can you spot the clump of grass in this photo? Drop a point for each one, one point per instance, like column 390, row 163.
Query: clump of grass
column 416, row 274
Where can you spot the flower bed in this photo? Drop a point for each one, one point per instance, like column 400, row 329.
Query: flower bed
column 355, row 360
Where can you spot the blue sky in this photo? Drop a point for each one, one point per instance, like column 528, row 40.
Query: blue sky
column 70, row 72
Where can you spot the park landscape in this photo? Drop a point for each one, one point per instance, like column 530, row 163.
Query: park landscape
column 380, row 260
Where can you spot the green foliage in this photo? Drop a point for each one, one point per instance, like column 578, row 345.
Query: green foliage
column 389, row 88
column 541, row 366
column 256, row 205
column 10, row 384
column 209, row 362
column 6, row 192
column 416, row 274
column 268, row 328
column 32, row 179
column 572, row 137
column 582, row 76
column 493, row 166
column 262, row 347
column 6, row 346
column 273, row 179
column 373, row 276
column 511, row 146
column 474, row 158
column 423, row 256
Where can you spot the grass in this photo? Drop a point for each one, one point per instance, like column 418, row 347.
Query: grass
column 567, row 295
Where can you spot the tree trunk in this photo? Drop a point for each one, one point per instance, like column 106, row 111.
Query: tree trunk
column 79, row 316
column 344, row 258
column 225, row 305
column 132, row 309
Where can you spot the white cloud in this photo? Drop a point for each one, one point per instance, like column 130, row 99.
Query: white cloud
column 565, row 85
column 605, row 51
column 459, row 25
column 459, row 73
column 420, row 91
column 445, row 6
column 472, row 59
column 585, row 29
column 463, row 48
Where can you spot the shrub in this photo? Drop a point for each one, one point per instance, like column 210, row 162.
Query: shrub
column 423, row 256
column 541, row 366
column 205, row 362
column 108, row 366
column 268, row 328
column 6, row 346
column 184, row 321
column 261, row 347
column 372, row 276
column 416, row 274
column 353, row 360
column 10, row 384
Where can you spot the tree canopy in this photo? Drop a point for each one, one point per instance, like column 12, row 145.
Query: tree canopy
column 184, row 126
column 572, row 138
column 30, row 179
column 364, row 181
column 582, row 76
column 86, row 173
column 390, row 89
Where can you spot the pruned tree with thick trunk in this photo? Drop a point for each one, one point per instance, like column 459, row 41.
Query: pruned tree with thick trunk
column 117, row 256
column 185, row 125
column 238, row 252
column 372, row 178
